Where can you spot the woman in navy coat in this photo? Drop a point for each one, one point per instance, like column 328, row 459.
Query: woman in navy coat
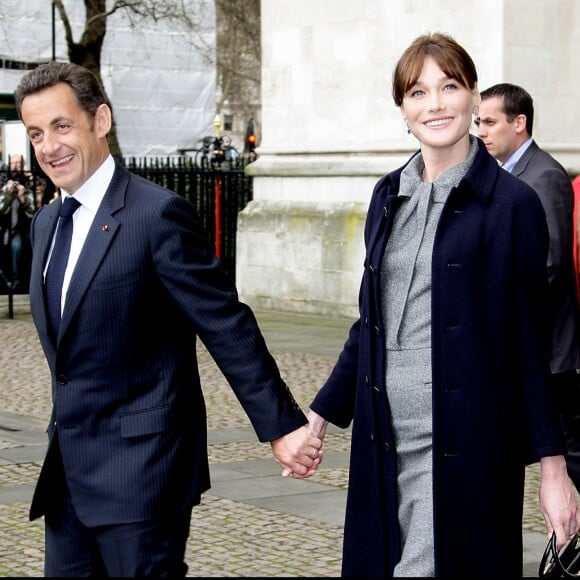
column 444, row 375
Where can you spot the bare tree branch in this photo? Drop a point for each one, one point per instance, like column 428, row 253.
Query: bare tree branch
column 237, row 57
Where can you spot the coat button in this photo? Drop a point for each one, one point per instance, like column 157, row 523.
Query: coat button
column 62, row 380
column 387, row 446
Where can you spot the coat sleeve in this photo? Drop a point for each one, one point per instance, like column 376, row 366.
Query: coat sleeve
column 187, row 266
column 554, row 189
column 530, row 247
column 336, row 399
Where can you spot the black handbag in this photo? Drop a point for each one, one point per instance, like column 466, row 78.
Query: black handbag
column 562, row 564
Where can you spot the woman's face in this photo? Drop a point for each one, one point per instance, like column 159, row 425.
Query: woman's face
column 437, row 109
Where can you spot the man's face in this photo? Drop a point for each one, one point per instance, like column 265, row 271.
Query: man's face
column 497, row 133
column 69, row 146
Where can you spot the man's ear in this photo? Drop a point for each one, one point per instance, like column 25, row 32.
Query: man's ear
column 103, row 120
column 520, row 123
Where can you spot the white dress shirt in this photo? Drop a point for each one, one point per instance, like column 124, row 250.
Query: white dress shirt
column 90, row 195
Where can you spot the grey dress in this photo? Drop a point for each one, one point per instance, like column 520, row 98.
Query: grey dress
column 406, row 302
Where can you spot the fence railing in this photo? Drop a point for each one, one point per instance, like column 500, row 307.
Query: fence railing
column 221, row 190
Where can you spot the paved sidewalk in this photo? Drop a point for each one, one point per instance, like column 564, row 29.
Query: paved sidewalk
column 252, row 522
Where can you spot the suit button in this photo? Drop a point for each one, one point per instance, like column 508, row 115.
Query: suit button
column 62, row 380
column 387, row 446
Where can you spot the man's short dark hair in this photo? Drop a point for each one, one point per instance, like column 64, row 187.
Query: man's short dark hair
column 516, row 101
column 85, row 85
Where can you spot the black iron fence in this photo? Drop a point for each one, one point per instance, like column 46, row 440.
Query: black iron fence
column 218, row 191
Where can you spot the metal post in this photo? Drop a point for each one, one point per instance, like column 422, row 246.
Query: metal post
column 53, row 31
column 217, row 158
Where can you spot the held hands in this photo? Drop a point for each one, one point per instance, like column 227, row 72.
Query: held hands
column 298, row 452
column 558, row 499
column 308, row 454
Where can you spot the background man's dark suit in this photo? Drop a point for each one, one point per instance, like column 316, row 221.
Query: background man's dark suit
column 505, row 124
column 553, row 185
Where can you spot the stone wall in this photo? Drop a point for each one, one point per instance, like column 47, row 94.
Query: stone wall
column 330, row 128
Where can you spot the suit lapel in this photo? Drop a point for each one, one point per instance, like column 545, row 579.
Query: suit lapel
column 522, row 164
column 41, row 245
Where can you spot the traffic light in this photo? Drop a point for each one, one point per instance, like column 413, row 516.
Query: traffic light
column 250, row 146
column 250, row 141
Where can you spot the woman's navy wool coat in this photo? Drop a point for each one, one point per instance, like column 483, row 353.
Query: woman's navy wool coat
column 492, row 411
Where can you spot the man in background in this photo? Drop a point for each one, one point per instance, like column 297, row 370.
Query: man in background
column 16, row 211
column 505, row 123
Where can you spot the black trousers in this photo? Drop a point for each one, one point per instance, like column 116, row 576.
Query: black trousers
column 567, row 386
column 147, row 549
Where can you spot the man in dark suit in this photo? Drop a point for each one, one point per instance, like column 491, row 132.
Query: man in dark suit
column 506, row 117
column 127, row 455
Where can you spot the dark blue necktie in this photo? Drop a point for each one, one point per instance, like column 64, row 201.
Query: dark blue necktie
column 58, row 260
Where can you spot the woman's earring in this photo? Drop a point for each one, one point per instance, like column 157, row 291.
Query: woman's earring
column 477, row 119
column 408, row 130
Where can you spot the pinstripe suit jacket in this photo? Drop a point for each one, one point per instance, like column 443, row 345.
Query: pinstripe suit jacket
column 127, row 402
column 554, row 188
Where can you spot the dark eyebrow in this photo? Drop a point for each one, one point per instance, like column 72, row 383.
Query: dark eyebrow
column 54, row 123
column 59, row 120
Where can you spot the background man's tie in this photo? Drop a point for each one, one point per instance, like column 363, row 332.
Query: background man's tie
column 58, row 260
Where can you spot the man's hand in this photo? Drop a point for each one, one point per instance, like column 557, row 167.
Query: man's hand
column 558, row 499
column 298, row 452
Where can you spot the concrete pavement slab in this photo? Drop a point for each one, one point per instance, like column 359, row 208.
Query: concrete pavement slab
column 251, row 518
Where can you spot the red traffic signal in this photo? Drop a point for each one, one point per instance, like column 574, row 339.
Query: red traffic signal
column 250, row 141
column 250, row 147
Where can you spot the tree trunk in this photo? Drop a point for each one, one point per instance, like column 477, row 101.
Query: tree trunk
column 87, row 52
column 86, row 59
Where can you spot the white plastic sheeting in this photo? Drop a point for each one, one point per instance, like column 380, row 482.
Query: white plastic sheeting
column 162, row 88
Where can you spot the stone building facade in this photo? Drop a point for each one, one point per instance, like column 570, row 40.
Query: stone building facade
column 330, row 128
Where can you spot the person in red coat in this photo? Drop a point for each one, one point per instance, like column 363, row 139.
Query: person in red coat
column 444, row 376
